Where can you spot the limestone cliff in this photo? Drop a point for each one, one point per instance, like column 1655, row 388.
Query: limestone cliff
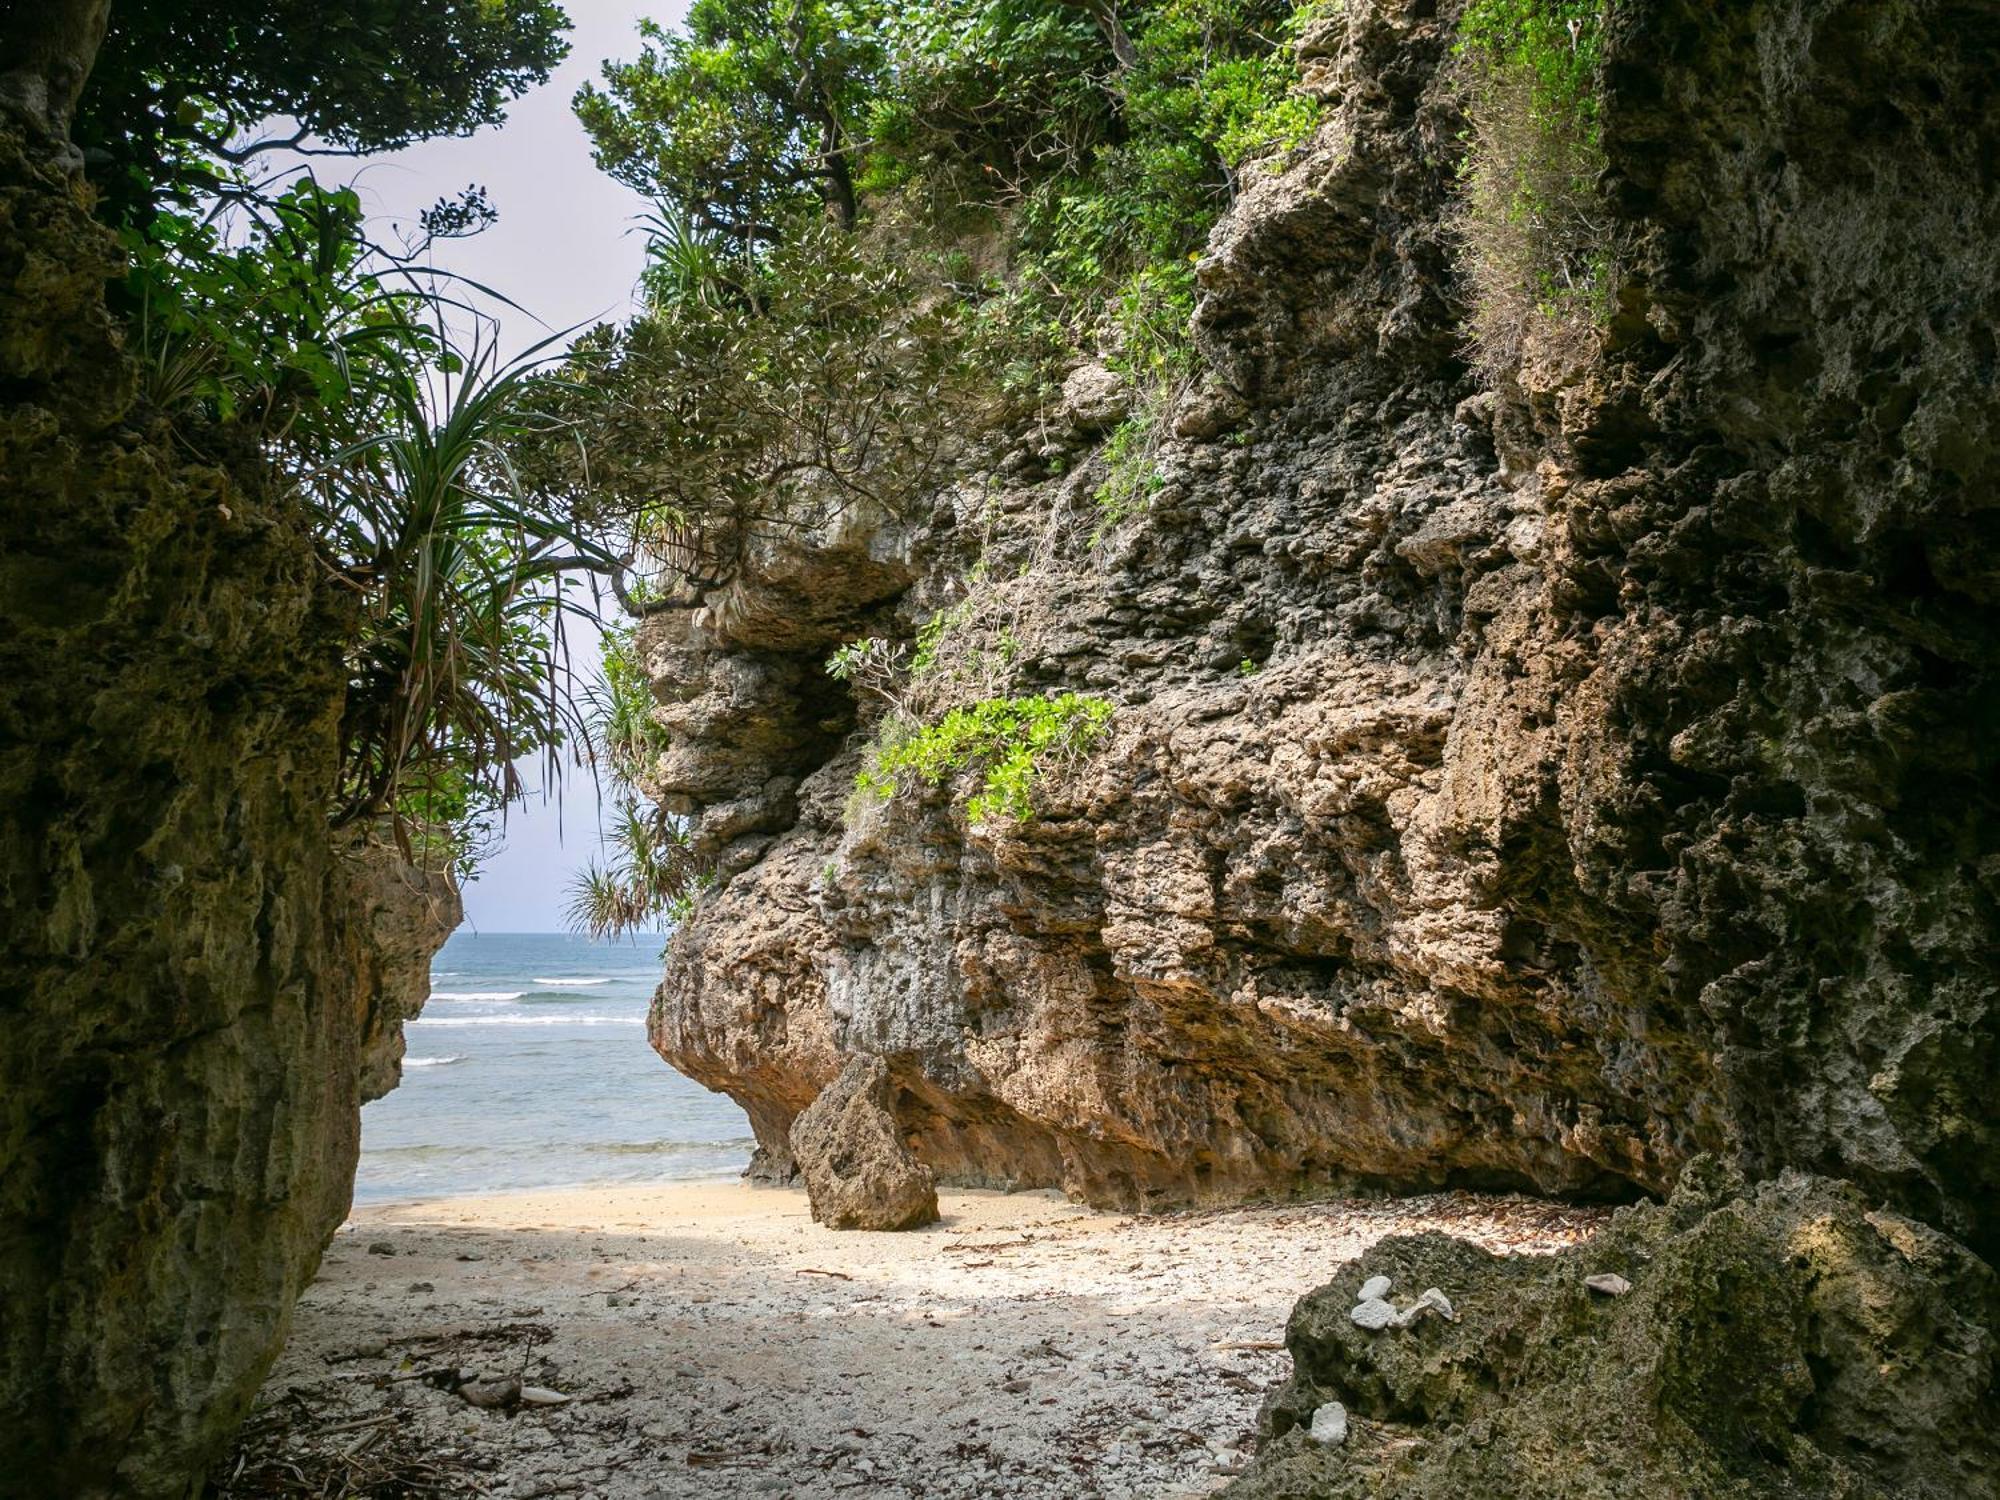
column 1535, row 786
column 198, row 984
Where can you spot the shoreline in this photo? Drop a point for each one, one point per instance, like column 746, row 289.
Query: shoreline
column 359, row 1210
column 712, row 1340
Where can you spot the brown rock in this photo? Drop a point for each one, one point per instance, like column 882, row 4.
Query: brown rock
column 201, row 983
column 1539, row 785
column 858, row 1172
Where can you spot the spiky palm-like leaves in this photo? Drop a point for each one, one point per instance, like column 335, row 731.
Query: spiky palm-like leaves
column 456, row 665
column 652, row 871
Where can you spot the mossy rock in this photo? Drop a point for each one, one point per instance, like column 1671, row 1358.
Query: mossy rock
column 1777, row 1341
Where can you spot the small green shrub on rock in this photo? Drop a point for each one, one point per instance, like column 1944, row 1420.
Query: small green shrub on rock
column 1013, row 740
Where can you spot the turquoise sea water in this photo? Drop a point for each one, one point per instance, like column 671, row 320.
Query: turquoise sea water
column 530, row 1068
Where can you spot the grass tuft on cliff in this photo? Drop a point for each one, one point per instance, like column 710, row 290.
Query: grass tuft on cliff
column 1534, row 238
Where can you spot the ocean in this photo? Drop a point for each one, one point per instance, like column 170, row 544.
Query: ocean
column 530, row 1068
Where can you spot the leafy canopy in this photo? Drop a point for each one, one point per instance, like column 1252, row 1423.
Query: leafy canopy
column 335, row 377
column 744, row 119
column 177, row 81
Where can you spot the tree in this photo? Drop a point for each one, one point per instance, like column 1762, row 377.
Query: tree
column 176, row 82
column 805, row 385
column 746, row 118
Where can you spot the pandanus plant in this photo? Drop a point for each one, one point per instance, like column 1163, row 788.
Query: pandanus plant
column 463, row 584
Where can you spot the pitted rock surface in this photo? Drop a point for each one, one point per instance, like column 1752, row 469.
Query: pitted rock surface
column 1789, row 1340
column 858, row 1173
column 201, row 983
column 1535, row 786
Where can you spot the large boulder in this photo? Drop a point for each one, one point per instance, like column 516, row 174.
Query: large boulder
column 858, row 1172
column 1791, row 1340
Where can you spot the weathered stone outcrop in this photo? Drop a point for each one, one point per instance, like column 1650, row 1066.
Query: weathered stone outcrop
column 1785, row 1341
column 857, row 1171
column 198, row 984
column 1536, row 787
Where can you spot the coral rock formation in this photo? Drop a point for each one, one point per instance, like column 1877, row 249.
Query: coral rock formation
column 1537, row 786
column 199, row 983
column 1789, row 1340
column 858, row 1173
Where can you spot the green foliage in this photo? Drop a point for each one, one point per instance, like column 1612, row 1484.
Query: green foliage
column 627, row 735
column 271, row 332
column 340, row 367
column 459, row 573
column 804, row 387
column 651, row 873
column 1108, row 226
column 932, row 633
column 276, row 328
column 743, row 120
column 1012, row 741
column 177, row 82
column 1130, row 454
column 1101, row 155
column 1555, row 42
column 1536, row 241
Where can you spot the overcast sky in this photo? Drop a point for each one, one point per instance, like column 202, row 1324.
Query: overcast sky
column 565, row 251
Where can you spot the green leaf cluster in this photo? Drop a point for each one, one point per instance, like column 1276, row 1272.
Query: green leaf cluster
column 178, row 83
column 745, row 118
column 1100, row 143
column 796, row 387
column 1010, row 740
column 340, row 368
column 1557, row 43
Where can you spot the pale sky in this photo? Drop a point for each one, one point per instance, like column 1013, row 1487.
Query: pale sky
column 565, row 251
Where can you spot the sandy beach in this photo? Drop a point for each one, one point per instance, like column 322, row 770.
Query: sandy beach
column 714, row 1341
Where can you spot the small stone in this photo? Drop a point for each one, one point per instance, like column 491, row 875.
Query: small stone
column 381, row 1247
column 1375, row 1289
column 1329, row 1425
column 1095, row 399
column 1434, row 1298
column 491, row 1395
column 1609, row 1283
column 1374, row 1314
column 541, row 1395
column 422, row 1286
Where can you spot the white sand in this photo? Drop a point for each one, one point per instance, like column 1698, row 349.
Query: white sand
column 1023, row 1347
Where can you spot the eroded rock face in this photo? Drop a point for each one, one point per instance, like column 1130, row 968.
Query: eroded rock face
column 198, row 985
column 1789, row 1340
column 857, row 1171
column 1536, row 787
